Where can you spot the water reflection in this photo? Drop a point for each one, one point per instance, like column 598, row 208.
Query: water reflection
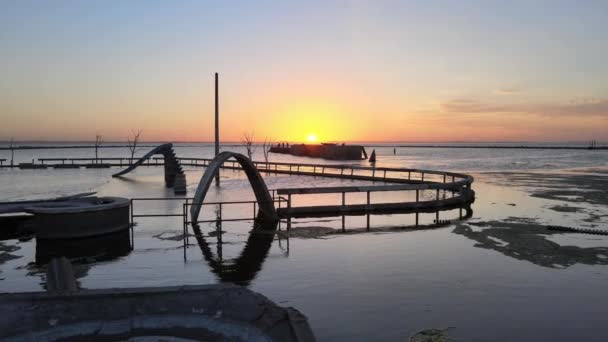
column 528, row 241
column 243, row 269
column 83, row 253
column 99, row 248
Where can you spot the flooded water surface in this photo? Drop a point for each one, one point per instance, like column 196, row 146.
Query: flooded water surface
column 501, row 275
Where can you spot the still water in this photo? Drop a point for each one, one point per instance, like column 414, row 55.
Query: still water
column 382, row 285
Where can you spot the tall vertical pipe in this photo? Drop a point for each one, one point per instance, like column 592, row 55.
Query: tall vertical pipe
column 217, row 128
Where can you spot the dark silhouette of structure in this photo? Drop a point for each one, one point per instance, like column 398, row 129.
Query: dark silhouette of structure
column 243, row 269
column 217, row 126
column 325, row 151
column 174, row 174
column 267, row 210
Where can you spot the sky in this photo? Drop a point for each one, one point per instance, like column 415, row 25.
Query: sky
column 409, row 71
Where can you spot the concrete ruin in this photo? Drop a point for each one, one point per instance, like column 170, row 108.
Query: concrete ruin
column 202, row 313
column 80, row 217
column 325, row 151
column 205, row 312
column 174, row 174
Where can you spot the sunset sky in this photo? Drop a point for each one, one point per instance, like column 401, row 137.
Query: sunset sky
column 420, row 71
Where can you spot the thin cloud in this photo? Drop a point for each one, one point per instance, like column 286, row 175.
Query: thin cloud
column 508, row 91
column 466, row 106
column 595, row 108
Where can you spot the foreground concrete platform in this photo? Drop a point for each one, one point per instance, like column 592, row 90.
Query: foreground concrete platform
column 207, row 312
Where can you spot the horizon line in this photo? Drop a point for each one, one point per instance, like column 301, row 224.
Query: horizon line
column 323, row 142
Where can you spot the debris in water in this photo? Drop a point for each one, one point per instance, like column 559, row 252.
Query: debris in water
column 431, row 335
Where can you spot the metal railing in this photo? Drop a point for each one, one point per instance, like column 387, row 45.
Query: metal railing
column 387, row 174
column 112, row 161
column 189, row 201
column 445, row 198
column 402, row 179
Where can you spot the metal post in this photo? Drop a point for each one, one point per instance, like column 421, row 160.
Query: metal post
column 367, row 210
column 217, row 128
column 184, row 227
column 131, row 212
column 288, row 208
column 218, row 226
column 416, row 219
column 417, row 195
column 343, row 218
column 186, row 222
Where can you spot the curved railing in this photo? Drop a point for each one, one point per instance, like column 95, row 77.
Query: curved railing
column 348, row 171
column 450, row 190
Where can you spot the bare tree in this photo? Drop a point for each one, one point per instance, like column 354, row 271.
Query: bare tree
column 132, row 141
column 248, row 143
column 11, row 146
column 98, row 142
column 266, row 147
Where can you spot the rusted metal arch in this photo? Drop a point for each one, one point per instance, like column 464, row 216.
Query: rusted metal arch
column 262, row 195
column 163, row 149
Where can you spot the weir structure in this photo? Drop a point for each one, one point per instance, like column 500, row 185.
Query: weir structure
column 174, row 174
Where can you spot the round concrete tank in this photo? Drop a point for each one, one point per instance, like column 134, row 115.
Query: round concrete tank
column 79, row 218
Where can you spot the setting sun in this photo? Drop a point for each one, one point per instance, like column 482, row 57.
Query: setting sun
column 311, row 138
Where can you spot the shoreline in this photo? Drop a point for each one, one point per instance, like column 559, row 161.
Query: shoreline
column 233, row 144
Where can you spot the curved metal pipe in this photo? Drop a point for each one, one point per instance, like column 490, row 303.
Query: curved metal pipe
column 260, row 190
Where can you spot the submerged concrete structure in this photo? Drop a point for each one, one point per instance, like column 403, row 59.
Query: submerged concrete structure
column 325, row 151
column 203, row 313
column 81, row 217
column 174, row 174
column 76, row 216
